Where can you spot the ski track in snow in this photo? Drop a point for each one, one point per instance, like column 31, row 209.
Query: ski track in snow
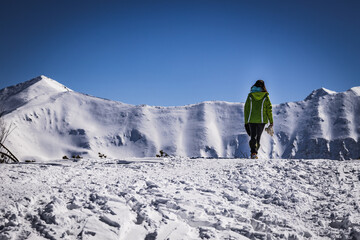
column 180, row 198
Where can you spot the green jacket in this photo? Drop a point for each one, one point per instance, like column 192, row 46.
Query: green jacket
column 258, row 108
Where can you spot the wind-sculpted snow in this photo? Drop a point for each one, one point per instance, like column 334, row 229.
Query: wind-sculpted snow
column 52, row 121
column 180, row 198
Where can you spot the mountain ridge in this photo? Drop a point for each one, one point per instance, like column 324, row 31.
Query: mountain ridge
column 315, row 93
column 52, row 120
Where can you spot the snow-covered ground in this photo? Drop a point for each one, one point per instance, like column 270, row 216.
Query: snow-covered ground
column 180, row 198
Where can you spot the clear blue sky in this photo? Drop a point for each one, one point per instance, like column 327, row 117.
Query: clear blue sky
column 172, row 52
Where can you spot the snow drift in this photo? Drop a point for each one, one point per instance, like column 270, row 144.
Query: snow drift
column 52, row 121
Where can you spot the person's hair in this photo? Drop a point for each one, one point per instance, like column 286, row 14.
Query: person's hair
column 260, row 84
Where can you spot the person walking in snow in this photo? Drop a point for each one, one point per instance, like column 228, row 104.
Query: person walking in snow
column 257, row 112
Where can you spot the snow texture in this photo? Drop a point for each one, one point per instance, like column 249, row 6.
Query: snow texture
column 180, row 198
column 51, row 121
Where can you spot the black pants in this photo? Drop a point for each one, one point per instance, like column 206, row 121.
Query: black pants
column 254, row 130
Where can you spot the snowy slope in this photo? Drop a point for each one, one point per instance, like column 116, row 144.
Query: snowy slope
column 52, row 121
column 180, row 198
column 324, row 125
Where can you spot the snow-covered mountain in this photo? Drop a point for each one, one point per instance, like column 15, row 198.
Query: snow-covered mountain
column 51, row 121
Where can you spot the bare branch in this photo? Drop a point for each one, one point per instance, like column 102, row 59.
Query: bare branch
column 5, row 131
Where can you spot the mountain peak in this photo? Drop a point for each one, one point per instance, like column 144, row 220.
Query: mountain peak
column 355, row 90
column 22, row 93
column 36, row 84
column 319, row 93
column 48, row 82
